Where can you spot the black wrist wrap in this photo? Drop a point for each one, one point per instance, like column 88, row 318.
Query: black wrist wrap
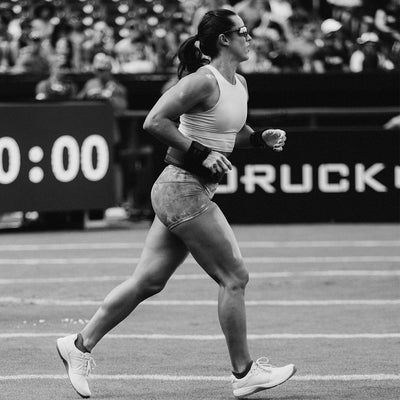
column 197, row 153
column 256, row 139
column 193, row 162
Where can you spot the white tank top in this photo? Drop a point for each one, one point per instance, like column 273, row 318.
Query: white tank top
column 217, row 127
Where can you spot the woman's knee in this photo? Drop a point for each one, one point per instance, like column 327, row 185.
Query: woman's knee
column 237, row 277
column 132, row 291
column 149, row 286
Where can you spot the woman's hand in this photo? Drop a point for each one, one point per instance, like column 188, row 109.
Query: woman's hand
column 274, row 138
column 217, row 163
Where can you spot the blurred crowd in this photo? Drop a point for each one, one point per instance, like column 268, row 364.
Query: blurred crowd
column 142, row 36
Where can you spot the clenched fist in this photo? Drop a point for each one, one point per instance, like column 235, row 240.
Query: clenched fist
column 274, row 138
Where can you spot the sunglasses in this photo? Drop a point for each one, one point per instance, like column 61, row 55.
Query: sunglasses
column 242, row 31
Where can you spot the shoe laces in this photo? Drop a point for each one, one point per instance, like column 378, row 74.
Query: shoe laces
column 84, row 363
column 263, row 363
column 89, row 364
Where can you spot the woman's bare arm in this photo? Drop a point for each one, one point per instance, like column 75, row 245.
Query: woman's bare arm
column 189, row 92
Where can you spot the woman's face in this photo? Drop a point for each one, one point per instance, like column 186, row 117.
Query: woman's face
column 239, row 39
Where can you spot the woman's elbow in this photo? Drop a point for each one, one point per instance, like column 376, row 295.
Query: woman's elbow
column 148, row 124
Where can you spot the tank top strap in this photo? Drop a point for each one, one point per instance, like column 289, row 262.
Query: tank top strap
column 219, row 77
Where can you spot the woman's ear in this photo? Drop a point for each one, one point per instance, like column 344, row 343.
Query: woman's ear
column 223, row 40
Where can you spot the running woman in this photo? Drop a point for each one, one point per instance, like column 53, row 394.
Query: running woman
column 210, row 99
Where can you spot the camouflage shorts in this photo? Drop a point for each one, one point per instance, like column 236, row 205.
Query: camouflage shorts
column 178, row 196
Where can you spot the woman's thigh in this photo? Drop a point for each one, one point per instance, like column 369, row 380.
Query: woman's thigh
column 211, row 241
column 162, row 253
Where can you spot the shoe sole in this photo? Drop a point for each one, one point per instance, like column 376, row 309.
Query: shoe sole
column 67, row 368
column 260, row 388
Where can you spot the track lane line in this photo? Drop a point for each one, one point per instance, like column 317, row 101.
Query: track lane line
column 243, row 244
column 152, row 336
column 254, row 275
column 249, row 303
column 249, row 260
column 203, row 378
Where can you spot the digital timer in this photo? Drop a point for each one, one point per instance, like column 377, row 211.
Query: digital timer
column 56, row 156
column 77, row 159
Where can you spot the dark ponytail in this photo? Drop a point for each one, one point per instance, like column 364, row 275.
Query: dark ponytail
column 191, row 57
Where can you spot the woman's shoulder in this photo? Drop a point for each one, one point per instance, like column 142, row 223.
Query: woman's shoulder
column 202, row 79
column 197, row 86
column 206, row 74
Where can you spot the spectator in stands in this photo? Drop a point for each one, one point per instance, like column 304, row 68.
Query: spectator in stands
column 332, row 54
column 152, row 48
column 77, row 37
column 349, row 13
column 176, row 32
column 14, row 26
column 30, row 59
column 63, row 49
column 142, row 60
column 5, row 45
column 188, row 8
column 281, row 10
column 134, row 53
column 268, row 28
column 387, row 20
column 302, row 41
column 104, row 86
column 20, row 31
column 57, row 86
column 387, row 23
column 61, row 45
column 42, row 24
column 99, row 39
column 204, row 6
column 284, row 60
column 252, row 11
column 368, row 57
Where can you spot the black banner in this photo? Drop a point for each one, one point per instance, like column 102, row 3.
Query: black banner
column 330, row 175
column 56, row 156
column 268, row 90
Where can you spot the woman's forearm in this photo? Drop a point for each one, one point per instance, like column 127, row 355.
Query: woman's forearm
column 166, row 132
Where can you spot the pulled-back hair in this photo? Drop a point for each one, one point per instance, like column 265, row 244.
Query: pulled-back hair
column 211, row 26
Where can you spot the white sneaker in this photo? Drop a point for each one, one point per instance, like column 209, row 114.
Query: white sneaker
column 260, row 377
column 77, row 363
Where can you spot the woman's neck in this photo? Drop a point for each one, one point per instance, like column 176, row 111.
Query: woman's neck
column 226, row 68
